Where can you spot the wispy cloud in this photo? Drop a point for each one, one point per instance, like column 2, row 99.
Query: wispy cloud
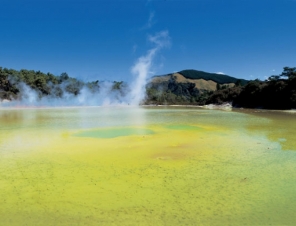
column 160, row 39
column 135, row 47
column 220, row 73
column 151, row 21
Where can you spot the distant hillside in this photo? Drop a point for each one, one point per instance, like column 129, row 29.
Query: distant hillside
column 198, row 87
column 188, row 87
column 202, row 81
column 218, row 78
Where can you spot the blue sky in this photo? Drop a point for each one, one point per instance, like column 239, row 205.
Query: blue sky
column 102, row 40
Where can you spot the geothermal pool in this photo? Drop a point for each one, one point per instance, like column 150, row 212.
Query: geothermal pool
column 147, row 166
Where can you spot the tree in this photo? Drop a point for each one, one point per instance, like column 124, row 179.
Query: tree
column 289, row 72
column 117, row 85
column 239, row 82
column 218, row 86
column 63, row 77
column 274, row 78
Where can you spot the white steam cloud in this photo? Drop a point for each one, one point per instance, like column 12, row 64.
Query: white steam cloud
column 142, row 68
column 104, row 95
column 101, row 93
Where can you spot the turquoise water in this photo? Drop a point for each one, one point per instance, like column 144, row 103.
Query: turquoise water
column 114, row 132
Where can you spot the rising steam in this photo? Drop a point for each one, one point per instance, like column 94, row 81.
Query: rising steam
column 104, row 93
column 142, row 68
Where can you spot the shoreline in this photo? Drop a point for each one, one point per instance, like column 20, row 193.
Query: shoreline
column 224, row 107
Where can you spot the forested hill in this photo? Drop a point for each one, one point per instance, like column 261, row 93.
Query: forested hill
column 196, row 87
column 218, row 78
column 14, row 84
column 188, row 87
column 185, row 87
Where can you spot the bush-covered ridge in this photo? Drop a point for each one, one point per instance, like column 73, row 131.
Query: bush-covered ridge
column 277, row 92
column 168, row 89
column 14, row 84
column 218, row 78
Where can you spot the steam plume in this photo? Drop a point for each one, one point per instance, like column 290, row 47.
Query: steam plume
column 100, row 94
column 142, row 68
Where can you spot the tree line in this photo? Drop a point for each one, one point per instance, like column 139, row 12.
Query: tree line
column 45, row 84
column 277, row 92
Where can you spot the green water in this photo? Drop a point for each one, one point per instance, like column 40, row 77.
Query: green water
column 147, row 166
column 114, row 132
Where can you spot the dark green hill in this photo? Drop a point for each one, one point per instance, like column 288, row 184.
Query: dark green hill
column 15, row 83
column 218, row 78
column 191, row 87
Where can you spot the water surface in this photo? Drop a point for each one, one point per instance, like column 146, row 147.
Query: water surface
column 147, row 166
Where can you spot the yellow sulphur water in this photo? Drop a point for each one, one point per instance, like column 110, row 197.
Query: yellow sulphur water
column 147, row 166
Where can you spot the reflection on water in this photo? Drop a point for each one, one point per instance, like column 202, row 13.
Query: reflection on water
column 147, row 166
